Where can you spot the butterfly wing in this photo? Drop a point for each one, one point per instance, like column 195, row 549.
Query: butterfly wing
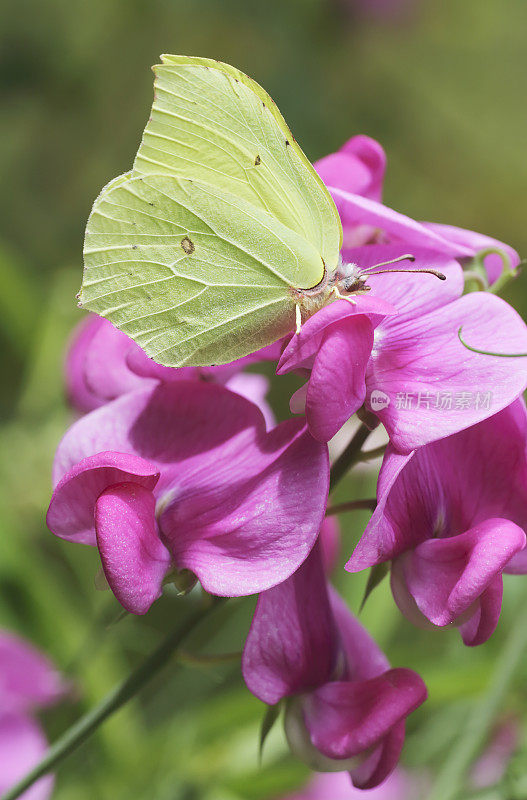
column 212, row 123
column 195, row 254
column 192, row 274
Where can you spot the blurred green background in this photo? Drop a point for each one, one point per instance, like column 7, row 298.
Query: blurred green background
column 443, row 87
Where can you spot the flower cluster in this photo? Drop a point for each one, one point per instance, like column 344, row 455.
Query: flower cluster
column 182, row 475
column 346, row 708
column 27, row 682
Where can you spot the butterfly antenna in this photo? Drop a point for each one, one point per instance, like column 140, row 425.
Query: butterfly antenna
column 407, row 257
column 415, row 271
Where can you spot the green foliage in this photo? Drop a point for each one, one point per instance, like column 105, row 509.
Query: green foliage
column 271, row 715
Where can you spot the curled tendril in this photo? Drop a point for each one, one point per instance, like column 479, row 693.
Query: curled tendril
column 488, row 352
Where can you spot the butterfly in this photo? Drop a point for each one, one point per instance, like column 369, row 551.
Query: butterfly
column 222, row 236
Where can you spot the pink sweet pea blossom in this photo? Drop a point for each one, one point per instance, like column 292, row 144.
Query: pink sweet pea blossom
column 361, row 211
column 337, row 786
column 346, row 708
column 184, row 476
column 27, row 681
column 396, row 350
column 358, row 167
column 103, row 363
column 451, row 517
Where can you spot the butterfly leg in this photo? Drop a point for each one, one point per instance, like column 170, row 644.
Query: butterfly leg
column 340, row 296
column 298, row 320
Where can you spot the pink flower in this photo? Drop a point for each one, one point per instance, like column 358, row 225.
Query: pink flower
column 451, row 517
column 358, row 167
column 184, row 476
column 361, row 211
column 103, row 363
column 345, row 708
column 337, row 786
column 396, row 350
column 27, row 681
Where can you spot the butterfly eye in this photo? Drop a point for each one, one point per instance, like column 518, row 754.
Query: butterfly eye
column 355, row 283
column 349, row 278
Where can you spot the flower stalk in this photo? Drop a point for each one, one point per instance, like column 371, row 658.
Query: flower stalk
column 349, row 457
column 354, row 505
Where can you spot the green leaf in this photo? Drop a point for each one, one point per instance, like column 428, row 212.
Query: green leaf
column 271, row 715
column 377, row 574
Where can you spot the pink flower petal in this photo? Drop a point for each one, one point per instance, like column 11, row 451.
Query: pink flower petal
column 78, row 392
column 242, row 507
column 348, row 718
column 27, row 678
column 355, row 210
column 245, row 524
column 291, row 645
column 71, row 511
column 380, row 764
column 447, row 576
column 448, row 486
column 106, row 371
column 338, row 786
column 255, row 388
column 302, row 348
column 476, row 242
column 364, row 658
column 483, row 622
column 22, row 745
column 337, row 386
column 406, row 366
column 398, row 522
column 358, row 167
column 410, row 294
column 134, row 559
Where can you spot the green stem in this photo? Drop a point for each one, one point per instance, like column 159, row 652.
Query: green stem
column 205, row 660
column 349, row 457
column 369, row 455
column 450, row 782
column 507, row 274
column 473, row 277
column 355, row 505
column 91, row 721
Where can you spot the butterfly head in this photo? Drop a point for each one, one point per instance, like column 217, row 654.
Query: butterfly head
column 352, row 279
